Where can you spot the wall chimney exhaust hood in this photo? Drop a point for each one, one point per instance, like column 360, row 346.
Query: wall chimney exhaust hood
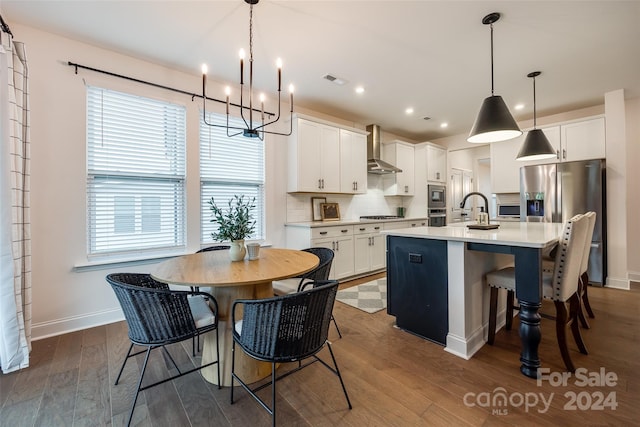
column 374, row 163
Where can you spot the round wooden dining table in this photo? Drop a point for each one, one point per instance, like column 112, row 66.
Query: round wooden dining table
column 230, row 281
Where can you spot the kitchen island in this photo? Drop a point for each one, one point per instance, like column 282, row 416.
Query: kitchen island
column 425, row 263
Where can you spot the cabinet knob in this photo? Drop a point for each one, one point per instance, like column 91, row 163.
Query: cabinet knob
column 323, row 233
column 344, row 231
column 376, row 228
column 362, row 229
column 319, row 183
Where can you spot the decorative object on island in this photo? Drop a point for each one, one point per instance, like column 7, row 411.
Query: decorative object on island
column 494, row 122
column 536, row 145
column 330, row 211
column 234, row 225
column 316, row 212
column 252, row 129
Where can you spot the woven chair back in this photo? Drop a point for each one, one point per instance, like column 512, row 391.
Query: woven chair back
column 154, row 313
column 321, row 272
column 289, row 327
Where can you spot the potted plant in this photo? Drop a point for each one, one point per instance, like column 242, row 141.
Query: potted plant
column 234, row 224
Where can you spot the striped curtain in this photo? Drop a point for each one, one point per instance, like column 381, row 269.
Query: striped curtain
column 15, row 229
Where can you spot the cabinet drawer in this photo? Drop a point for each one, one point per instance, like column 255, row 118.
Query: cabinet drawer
column 321, row 232
column 367, row 228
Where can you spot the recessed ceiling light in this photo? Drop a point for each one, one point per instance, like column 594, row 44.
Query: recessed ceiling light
column 409, row 110
column 518, row 107
column 444, row 125
column 359, row 89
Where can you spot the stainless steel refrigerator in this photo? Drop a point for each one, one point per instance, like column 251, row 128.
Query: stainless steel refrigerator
column 556, row 192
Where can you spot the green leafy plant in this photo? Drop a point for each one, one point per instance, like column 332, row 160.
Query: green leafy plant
column 236, row 223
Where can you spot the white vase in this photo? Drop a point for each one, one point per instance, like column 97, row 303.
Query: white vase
column 237, row 250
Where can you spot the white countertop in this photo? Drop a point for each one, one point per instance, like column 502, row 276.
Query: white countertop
column 313, row 224
column 526, row 234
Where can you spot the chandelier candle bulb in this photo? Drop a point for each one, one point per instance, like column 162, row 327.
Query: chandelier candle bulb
column 291, row 96
column 204, row 79
column 241, row 66
column 227, row 92
column 279, row 65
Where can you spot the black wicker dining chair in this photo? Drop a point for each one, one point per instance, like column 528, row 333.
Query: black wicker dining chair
column 321, row 272
column 196, row 339
column 157, row 316
column 288, row 328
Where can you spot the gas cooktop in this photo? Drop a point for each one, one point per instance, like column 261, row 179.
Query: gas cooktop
column 380, row 217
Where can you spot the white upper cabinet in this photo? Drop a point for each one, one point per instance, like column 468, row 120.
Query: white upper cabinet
column 353, row 162
column 400, row 154
column 583, row 140
column 316, row 163
column 436, row 164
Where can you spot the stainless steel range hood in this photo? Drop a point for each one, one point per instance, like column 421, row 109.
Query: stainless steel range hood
column 374, row 163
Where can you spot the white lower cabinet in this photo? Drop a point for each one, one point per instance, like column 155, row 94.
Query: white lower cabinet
column 338, row 238
column 369, row 253
column 343, row 262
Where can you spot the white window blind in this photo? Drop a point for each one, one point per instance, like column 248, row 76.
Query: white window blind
column 135, row 172
column 229, row 166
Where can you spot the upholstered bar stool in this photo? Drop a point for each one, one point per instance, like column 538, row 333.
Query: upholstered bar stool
column 561, row 287
column 549, row 263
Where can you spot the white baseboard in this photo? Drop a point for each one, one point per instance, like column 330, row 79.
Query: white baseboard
column 634, row 275
column 618, row 283
column 71, row 324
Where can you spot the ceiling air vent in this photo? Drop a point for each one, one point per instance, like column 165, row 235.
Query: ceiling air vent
column 334, row 79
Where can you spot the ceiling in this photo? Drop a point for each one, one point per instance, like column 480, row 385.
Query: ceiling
column 433, row 56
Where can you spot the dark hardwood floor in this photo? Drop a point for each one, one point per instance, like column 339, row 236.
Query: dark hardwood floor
column 393, row 378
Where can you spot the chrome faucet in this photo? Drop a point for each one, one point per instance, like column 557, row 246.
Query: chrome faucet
column 486, row 202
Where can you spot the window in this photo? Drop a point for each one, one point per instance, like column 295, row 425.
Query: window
column 135, row 172
column 229, row 166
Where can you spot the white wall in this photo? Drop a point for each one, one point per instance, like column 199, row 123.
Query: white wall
column 633, row 187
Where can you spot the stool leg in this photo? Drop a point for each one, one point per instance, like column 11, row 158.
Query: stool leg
column 493, row 308
column 561, row 334
column 583, row 319
column 574, row 309
column 585, row 296
column 509, row 319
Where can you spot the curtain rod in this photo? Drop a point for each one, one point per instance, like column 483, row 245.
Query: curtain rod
column 133, row 79
column 5, row 26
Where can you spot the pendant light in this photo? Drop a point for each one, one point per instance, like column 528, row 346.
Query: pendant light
column 536, row 145
column 494, row 122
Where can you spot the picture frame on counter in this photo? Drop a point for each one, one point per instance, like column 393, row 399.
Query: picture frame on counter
column 330, row 211
column 316, row 212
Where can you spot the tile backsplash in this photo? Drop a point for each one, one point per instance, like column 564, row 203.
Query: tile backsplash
column 351, row 207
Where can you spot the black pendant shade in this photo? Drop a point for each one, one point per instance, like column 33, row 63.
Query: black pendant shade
column 536, row 145
column 494, row 122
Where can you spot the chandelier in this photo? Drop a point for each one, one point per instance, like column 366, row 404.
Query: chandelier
column 253, row 127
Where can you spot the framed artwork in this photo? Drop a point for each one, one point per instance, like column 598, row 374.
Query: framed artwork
column 330, row 211
column 316, row 213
